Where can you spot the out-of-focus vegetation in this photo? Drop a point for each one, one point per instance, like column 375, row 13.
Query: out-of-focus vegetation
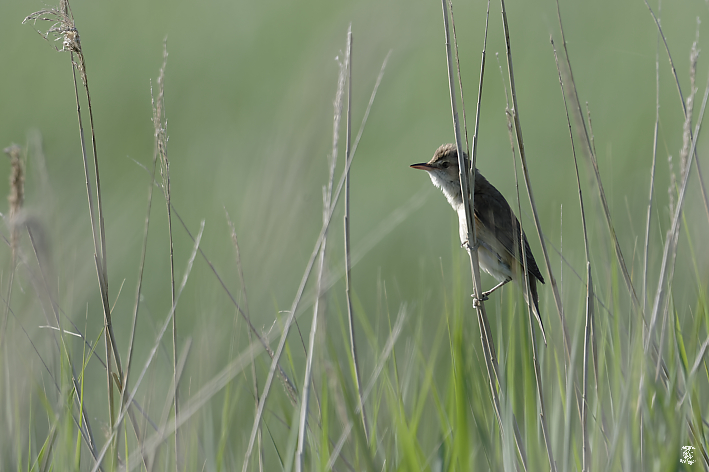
column 248, row 99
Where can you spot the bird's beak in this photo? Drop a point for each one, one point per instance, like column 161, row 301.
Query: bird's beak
column 422, row 166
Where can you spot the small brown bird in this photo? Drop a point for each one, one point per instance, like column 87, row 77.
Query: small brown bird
column 498, row 241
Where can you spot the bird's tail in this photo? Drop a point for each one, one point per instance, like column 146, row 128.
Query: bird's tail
column 535, row 305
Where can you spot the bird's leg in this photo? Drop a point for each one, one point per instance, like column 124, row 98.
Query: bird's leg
column 486, row 295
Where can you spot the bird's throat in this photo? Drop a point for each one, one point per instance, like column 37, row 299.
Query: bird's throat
column 451, row 189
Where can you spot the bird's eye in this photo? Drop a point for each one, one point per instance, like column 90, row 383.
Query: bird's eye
column 445, row 165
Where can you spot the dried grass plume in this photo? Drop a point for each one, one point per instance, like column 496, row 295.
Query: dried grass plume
column 17, row 191
column 63, row 28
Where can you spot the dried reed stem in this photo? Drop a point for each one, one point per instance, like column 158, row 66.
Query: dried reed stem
column 348, row 260
column 467, row 176
column 585, row 456
column 589, row 148
column 63, row 28
column 160, row 125
column 589, row 287
column 651, row 190
column 523, row 160
column 457, row 68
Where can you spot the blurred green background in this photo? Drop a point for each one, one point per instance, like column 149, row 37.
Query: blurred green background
column 249, row 92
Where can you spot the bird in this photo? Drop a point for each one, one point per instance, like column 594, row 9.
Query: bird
column 498, row 230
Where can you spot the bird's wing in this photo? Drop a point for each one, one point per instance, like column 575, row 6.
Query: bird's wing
column 493, row 211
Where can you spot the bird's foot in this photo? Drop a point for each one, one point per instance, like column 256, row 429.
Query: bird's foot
column 466, row 245
column 484, row 296
column 478, row 301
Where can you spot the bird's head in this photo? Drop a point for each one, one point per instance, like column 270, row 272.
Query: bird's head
column 443, row 170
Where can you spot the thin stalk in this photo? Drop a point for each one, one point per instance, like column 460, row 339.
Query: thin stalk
column 89, row 437
column 174, row 321
column 457, row 67
column 100, row 240
column 99, row 266
column 669, row 252
column 524, row 261
column 525, row 171
column 585, row 456
column 348, row 260
column 327, row 208
column 209, row 388
column 149, row 360
column 85, row 432
column 160, row 125
column 684, row 107
column 303, row 281
column 263, row 340
column 281, row 344
column 141, row 265
column 589, row 287
column 307, row 378
column 652, row 169
column 592, row 155
column 673, row 235
column 523, row 160
column 64, row 28
column 248, row 331
column 590, row 150
column 474, row 152
column 388, row 347
column 99, row 244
